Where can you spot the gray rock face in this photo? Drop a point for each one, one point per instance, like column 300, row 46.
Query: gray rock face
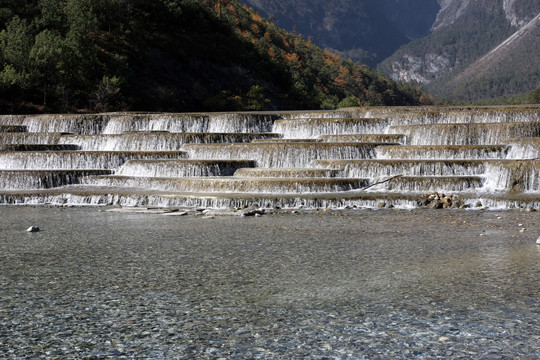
column 463, row 34
column 450, row 11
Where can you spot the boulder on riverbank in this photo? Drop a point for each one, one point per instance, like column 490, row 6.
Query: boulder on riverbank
column 441, row 201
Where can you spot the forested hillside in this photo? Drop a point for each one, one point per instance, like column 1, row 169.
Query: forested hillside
column 365, row 31
column 171, row 55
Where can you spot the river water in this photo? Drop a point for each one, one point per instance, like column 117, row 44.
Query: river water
column 355, row 284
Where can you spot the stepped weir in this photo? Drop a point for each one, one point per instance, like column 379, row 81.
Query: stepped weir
column 354, row 157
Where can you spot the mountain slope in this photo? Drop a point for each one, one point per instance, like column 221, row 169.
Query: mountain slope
column 490, row 74
column 362, row 30
column 170, row 55
column 478, row 49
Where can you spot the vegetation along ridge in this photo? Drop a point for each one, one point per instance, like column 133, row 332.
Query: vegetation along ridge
column 181, row 55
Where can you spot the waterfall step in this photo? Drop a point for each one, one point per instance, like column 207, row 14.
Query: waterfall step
column 432, row 184
column 283, row 155
column 311, row 128
column 38, row 147
column 69, row 123
column 465, row 134
column 182, row 168
column 12, row 128
column 513, row 175
column 29, row 138
column 316, row 114
column 525, row 148
column 69, row 160
column 43, row 179
column 287, row 173
column 379, row 168
column 472, row 152
column 363, row 157
column 78, row 195
column 285, row 141
column 156, row 140
column 365, row 138
column 126, row 122
column 192, row 123
column 276, row 186
column 84, row 195
column 454, row 114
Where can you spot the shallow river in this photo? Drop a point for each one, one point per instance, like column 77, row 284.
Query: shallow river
column 356, row 285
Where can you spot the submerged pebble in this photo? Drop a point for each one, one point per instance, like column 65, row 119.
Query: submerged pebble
column 33, row 229
column 284, row 286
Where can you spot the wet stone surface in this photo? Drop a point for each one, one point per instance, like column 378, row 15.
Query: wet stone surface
column 356, row 284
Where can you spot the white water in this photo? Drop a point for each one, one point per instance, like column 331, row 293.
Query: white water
column 434, row 116
column 230, row 184
column 433, row 184
column 442, row 152
column 378, row 168
column 528, row 148
column 24, row 180
column 292, row 155
column 119, row 124
column 29, row 138
column 76, row 124
column 181, row 168
column 154, row 141
column 465, row 134
column 311, row 128
column 74, row 159
column 292, row 165
column 513, row 175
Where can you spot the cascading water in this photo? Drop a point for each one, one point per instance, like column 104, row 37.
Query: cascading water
column 280, row 155
column 76, row 124
column 528, row 148
column 29, row 138
column 107, row 160
column 183, row 168
column 178, row 123
column 515, row 176
column 310, row 128
column 156, row 140
column 466, row 134
column 471, row 152
column 377, row 168
column 44, row 179
column 349, row 157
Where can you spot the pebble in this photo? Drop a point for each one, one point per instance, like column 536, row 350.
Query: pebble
column 33, row 229
column 538, row 241
column 177, row 213
column 270, row 296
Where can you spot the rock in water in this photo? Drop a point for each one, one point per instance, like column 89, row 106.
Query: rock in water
column 33, row 229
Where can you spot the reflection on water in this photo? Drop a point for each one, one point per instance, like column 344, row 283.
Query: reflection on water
column 367, row 284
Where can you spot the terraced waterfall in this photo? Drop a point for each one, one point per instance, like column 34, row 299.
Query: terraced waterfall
column 365, row 157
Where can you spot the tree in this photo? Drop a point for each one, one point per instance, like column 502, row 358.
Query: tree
column 15, row 45
column 49, row 57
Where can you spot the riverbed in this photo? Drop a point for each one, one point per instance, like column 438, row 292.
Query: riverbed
column 352, row 284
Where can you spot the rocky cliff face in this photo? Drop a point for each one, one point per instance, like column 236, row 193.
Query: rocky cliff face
column 424, row 41
column 450, row 11
column 464, row 32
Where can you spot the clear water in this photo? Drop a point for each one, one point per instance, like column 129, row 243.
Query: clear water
column 349, row 285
